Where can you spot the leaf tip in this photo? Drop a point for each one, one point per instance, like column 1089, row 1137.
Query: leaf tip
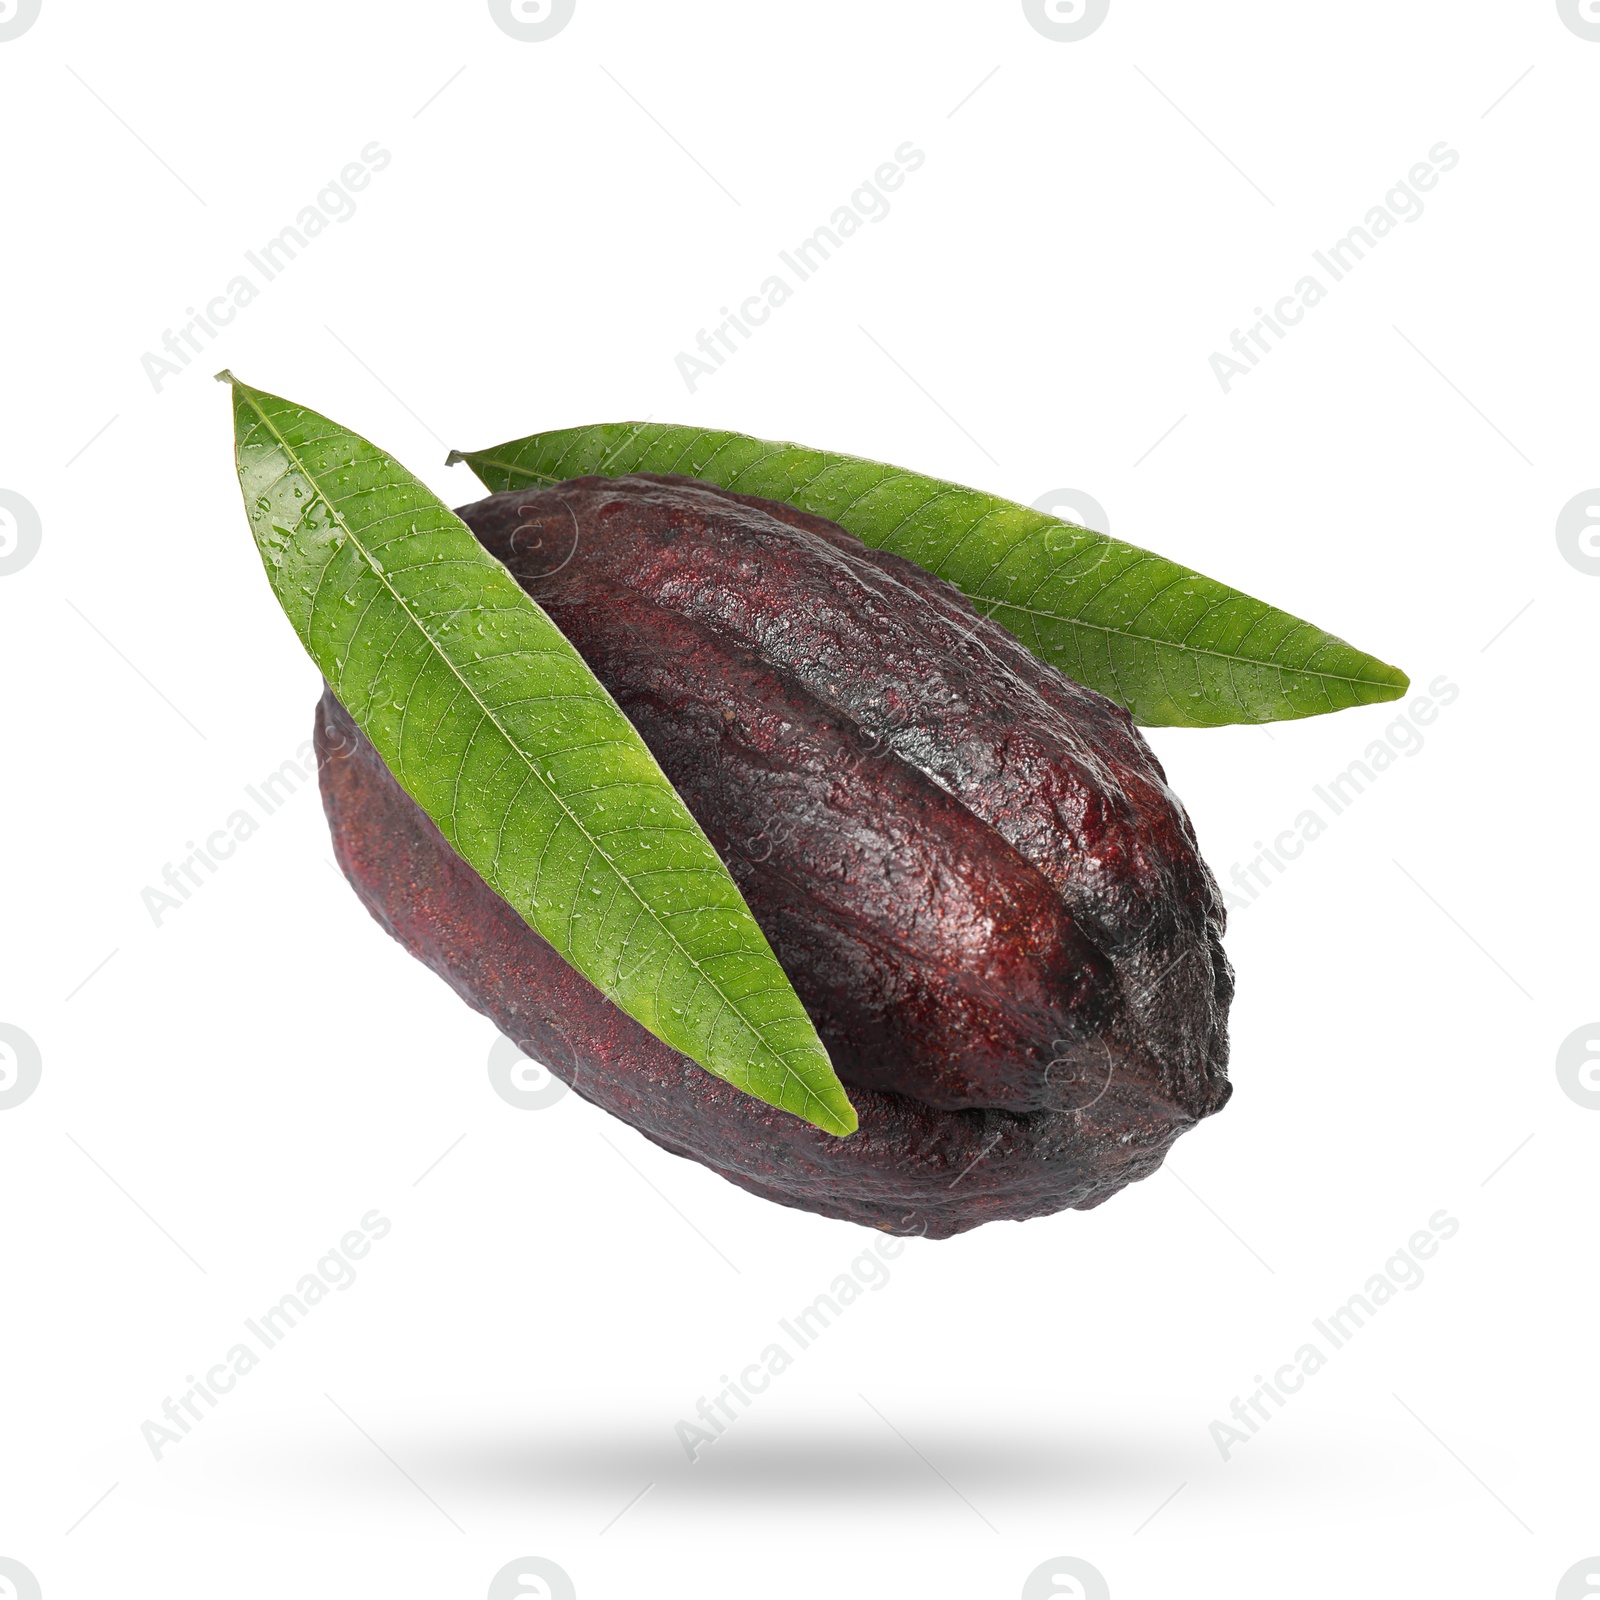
column 1395, row 684
column 455, row 456
column 839, row 1116
column 224, row 376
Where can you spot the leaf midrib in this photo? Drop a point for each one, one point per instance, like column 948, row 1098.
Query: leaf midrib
column 1053, row 616
column 1188, row 649
column 701, row 974
column 512, row 466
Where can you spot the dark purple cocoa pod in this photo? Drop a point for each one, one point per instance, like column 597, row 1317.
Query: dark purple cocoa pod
column 970, row 867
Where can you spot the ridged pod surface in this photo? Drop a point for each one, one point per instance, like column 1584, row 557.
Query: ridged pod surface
column 971, row 868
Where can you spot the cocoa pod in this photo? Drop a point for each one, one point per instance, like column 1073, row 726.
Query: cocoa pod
column 971, row 868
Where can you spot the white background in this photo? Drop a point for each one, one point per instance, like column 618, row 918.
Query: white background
column 229, row 1092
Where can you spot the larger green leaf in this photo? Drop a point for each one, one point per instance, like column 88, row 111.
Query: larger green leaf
column 1177, row 649
column 500, row 732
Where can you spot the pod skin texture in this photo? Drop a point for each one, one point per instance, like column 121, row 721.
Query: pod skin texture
column 971, row 868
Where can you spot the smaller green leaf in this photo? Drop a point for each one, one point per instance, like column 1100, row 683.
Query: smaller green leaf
column 496, row 727
column 1175, row 648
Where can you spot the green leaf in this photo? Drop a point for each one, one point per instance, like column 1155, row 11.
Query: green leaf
column 1174, row 647
column 499, row 731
